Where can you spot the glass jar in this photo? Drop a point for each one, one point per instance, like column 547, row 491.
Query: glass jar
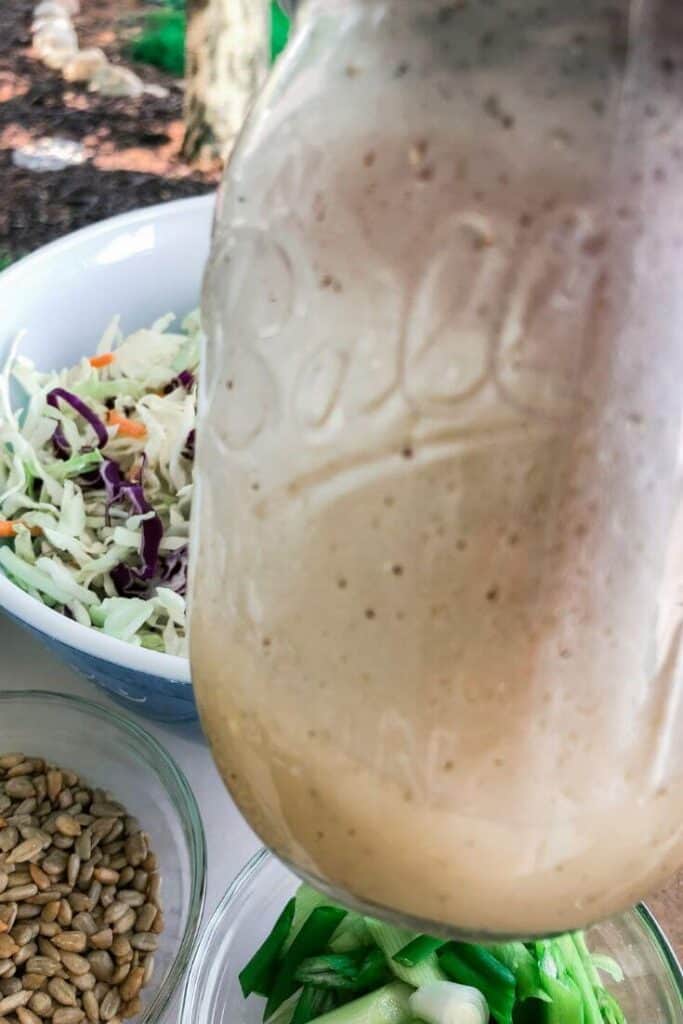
column 436, row 620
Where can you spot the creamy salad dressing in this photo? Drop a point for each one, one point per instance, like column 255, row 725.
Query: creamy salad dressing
column 435, row 639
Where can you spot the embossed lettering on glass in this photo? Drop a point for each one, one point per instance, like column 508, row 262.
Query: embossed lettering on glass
column 437, row 613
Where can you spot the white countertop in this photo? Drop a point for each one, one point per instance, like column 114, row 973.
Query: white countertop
column 25, row 664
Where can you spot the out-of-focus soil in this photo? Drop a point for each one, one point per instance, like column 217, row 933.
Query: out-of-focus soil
column 132, row 145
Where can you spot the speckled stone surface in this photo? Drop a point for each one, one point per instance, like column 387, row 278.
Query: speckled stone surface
column 667, row 907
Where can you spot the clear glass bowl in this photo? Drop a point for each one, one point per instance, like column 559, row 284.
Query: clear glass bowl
column 652, row 992
column 114, row 753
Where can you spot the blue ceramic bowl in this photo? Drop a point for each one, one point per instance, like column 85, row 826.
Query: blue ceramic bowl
column 138, row 266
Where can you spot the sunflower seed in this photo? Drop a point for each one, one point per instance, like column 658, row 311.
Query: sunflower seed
column 106, row 876
column 65, row 915
column 43, row 965
column 55, row 862
column 109, row 1006
column 49, row 929
column 121, row 948
column 41, row 1003
column 8, row 915
column 8, row 761
column 91, row 1007
column 48, row 949
column 136, row 849
column 34, row 982
column 126, row 922
column 25, row 953
column 20, row 789
column 67, row 826
column 39, row 877
column 146, row 942
column 50, row 911
column 25, row 851
column 149, row 964
column 95, row 893
column 115, row 912
column 10, row 1003
column 102, row 939
column 19, row 892
column 27, row 1016
column 75, row 964
column 7, row 968
column 8, row 947
column 72, row 942
column 54, row 783
column 84, row 982
column 131, row 1009
column 80, row 902
column 9, row 837
column 106, row 809
column 68, row 1015
column 85, row 922
column 25, row 933
column 19, row 876
column 101, row 965
column 62, row 992
column 145, row 917
column 133, row 983
column 26, row 912
column 121, row 972
column 108, row 894
column 83, row 846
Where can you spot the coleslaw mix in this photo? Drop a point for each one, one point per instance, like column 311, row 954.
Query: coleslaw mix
column 96, row 482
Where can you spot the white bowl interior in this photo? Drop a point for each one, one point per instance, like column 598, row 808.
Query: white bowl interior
column 137, row 266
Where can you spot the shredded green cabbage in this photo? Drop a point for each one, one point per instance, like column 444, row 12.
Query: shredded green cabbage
column 63, row 541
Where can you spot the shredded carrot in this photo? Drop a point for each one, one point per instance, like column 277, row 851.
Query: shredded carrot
column 126, row 427
column 9, row 529
column 106, row 359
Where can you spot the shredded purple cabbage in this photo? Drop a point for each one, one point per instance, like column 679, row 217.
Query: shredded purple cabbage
column 61, row 445
column 188, row 450
column 60, row 442
column 185, row 379
column 126, row 579
column 129, row 582
column 173, row 572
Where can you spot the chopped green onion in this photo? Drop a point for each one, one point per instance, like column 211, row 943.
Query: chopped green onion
column 259, row 973
column 392, row 940
column 332, row 970
column 387, row 1005
column 579, row 973
column 351, row 934
column 525, row 968
column 565, row 1006
column 313, row 1003
column 312, row 940
column 374, row 971
column 475, row 966
column 418, row 950
column 306, row 900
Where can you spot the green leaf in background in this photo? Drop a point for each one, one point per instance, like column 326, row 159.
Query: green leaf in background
column 161, row 42
column 279, row 30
